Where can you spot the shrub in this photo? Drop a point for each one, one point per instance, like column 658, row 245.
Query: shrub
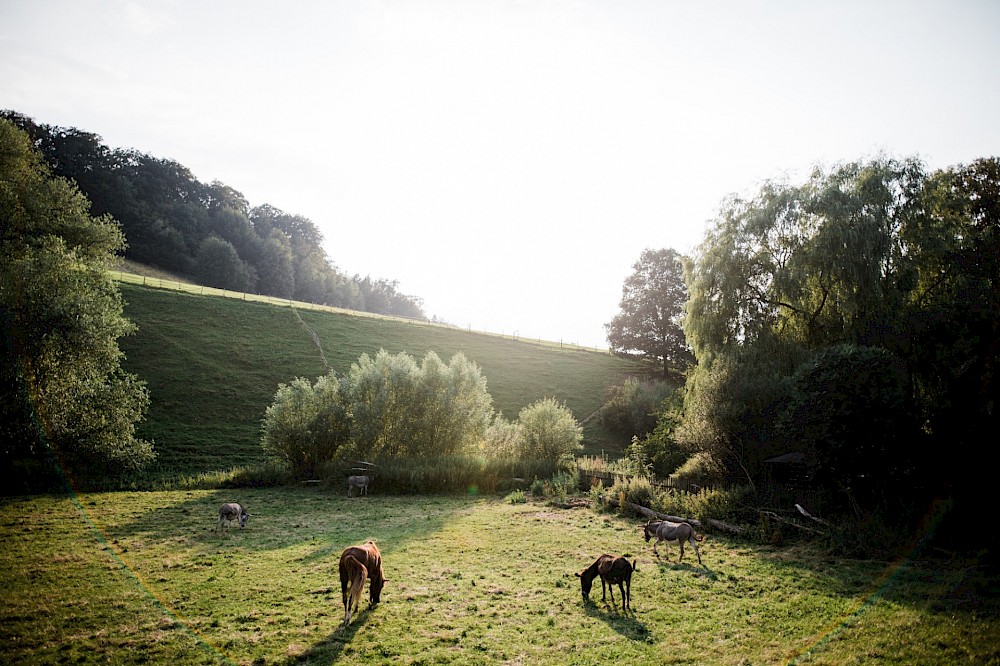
column 537, row 488
column 503, row 438
column 306, row 425
column 634, row 489
column 550, row 431
column 516, row 497
column 386, row 407
column 400, row 409
column 702, row 468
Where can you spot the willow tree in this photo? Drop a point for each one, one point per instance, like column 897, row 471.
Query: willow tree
column 785, row 274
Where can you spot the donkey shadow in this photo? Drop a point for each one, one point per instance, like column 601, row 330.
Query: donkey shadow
column 328, row 650
column 625, row 623
column 695, row 569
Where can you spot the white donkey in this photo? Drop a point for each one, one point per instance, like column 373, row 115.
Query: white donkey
column 669, row 532
column 230, row 512
column 360, row 482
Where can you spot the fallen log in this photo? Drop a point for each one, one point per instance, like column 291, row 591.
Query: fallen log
column 649, row 513
column 656, row 515
column 805, row 513
column 773, row 516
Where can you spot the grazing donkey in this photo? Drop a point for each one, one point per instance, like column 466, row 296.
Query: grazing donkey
column 361, row 482
column 230, row 512
column 368, row 556
column 357, row 574
column 670, row 533
column 613, row 571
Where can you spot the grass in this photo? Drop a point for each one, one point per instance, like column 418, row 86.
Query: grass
column 213, row 364
column 142, row 577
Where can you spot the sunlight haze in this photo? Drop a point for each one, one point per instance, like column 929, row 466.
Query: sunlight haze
column 508, row 162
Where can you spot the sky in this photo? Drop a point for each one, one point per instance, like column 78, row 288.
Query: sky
column 507, row 161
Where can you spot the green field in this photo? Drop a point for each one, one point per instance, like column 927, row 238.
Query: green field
column 143, row 578
column 213, row 364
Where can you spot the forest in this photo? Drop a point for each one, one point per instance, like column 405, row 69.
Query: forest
column 208, row 233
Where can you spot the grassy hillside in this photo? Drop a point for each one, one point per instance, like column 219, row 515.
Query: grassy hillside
column 213, row 364
column 142, row 578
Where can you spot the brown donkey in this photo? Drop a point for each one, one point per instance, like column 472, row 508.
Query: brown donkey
column 357, row 574
column 613, row 571
column 368, row 557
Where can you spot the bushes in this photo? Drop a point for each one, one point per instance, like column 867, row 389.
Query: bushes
column 306, row 425
column 549, row 431
column 386, row 407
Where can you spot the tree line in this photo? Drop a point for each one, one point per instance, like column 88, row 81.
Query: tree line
column 207, row 232
column 852, row 319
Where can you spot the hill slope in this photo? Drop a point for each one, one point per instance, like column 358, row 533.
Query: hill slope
column 213, row 365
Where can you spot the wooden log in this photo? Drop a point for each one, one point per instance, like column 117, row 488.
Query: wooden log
column 649, row 513
column 812, row 517
column 656, row 515
column 773, row 516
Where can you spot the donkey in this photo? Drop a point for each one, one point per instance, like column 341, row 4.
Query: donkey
column 357, row 574
column 230, row 512
column 613, row 571
column 670, row 533
column 367, row 556
column 361, row 482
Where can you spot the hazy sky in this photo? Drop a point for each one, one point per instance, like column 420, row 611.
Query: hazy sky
column 508, row 161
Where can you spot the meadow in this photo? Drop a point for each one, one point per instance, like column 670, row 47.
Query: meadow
column 142, row 577
column 213, row 364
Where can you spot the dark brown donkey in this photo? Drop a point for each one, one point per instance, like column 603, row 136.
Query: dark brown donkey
column 367, row 556
column 613, row 571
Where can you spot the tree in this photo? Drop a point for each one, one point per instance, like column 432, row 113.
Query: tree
column 650, row 321
column 167, row 215
column 403, row 409
column 307, row 425
column 219, row 265
column 275, row 273
column 849, row 410
column 549, row 431
column 62, row 316
column 857, row 313
column 812, row 265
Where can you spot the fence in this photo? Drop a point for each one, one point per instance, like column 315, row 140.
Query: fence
column 673, row 482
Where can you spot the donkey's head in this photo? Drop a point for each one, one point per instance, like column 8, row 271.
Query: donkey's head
column 586, row 581
column 648, row 530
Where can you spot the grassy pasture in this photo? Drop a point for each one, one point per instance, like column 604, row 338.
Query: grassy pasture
column 213, row 364
column 142, row 578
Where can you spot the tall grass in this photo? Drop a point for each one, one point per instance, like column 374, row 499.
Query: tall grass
column 449, row 475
